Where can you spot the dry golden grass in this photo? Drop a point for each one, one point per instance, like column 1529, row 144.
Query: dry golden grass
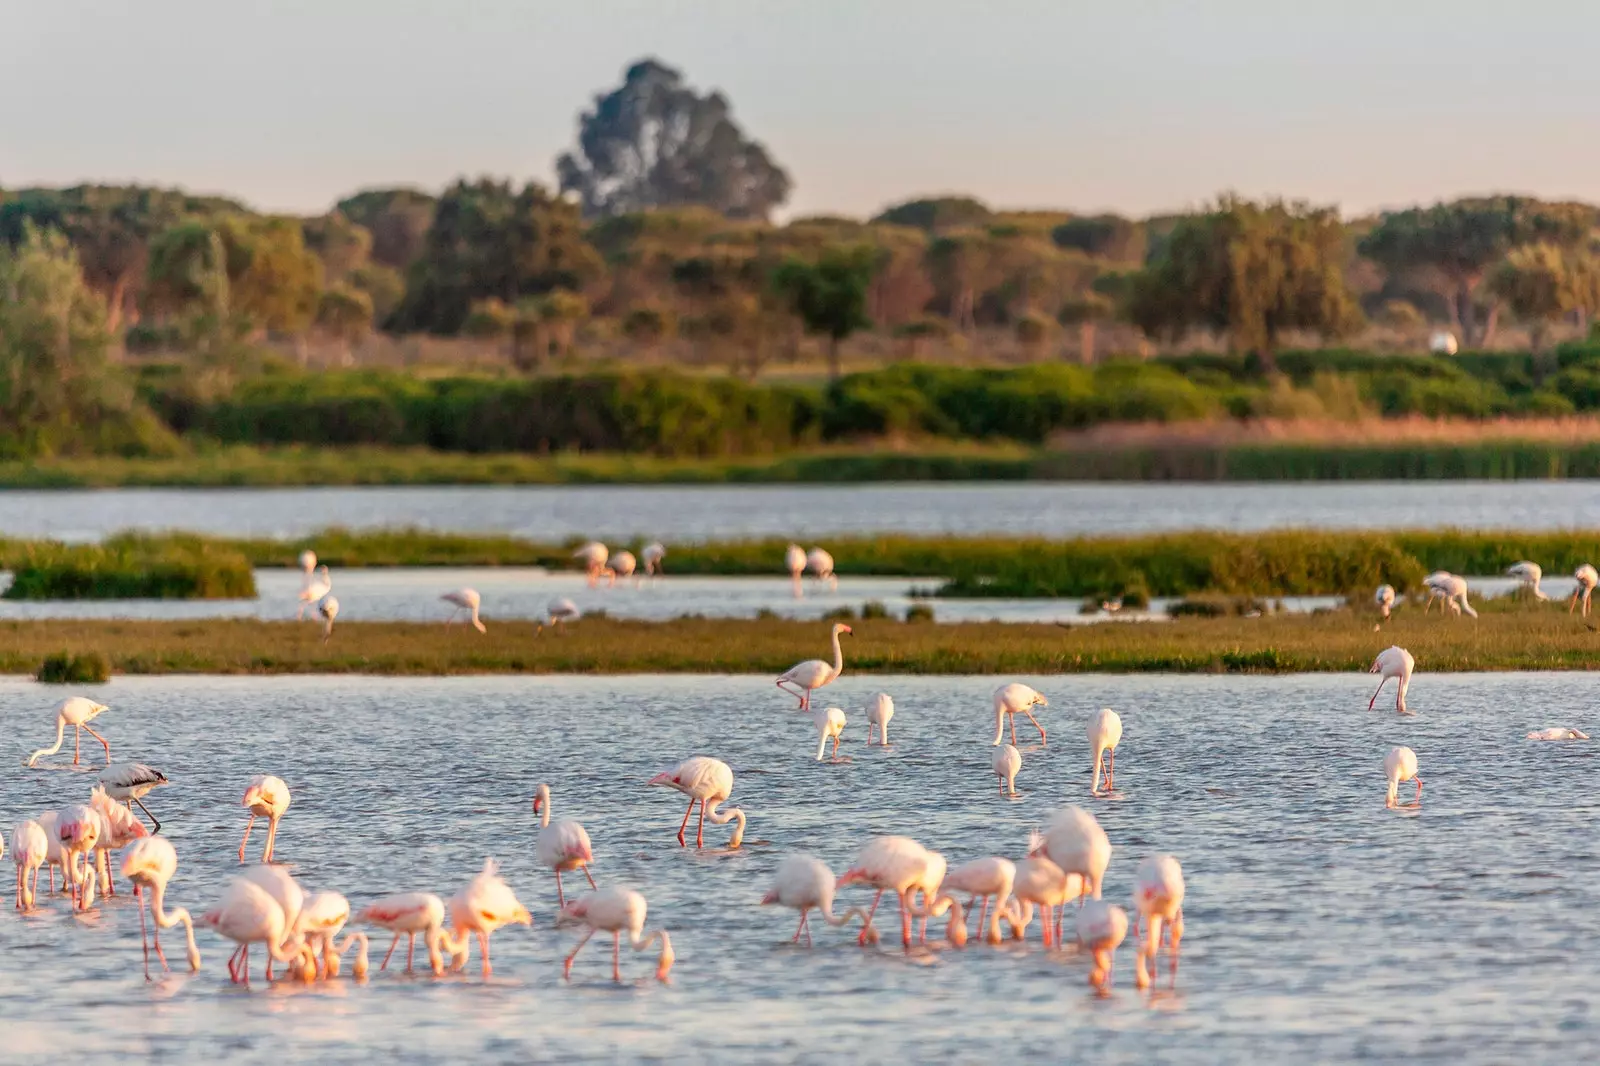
column 1366, row 432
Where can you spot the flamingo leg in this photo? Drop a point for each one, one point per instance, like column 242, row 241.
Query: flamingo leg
column 1111, row 771
column 103, row 742
column 982, row 914
column 392, row 945
column 685, row 824
column 1374, row 699
column 804, row 920
column 1419, row 791
column 700, row 833
column 272, row 836
column 1036, row 725
column 143, row 943
column 836, row 745
column 561, row 900
column 566, row 966
column 798, row 929
column 77, row 741
column 244, row 963
column 155, row 938
column 862, row 939
column 1013, row 720
column 905, row 920
column 251, row 824
column 483, row 942
column 616, row 951
column 155, row 822
column 411, row 944
column 586, row 873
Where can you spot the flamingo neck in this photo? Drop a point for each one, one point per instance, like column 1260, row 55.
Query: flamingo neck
column 165, row 919
column 61, row 732
column 544, row 809
column 721, row 817
column 838, row 656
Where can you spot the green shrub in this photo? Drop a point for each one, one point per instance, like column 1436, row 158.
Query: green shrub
column 130, row 567
column 65, row 668
column 919, row 612
column 874, row 609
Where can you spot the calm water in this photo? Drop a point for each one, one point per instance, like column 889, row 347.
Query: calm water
column 697, row 513
column 1320, row 925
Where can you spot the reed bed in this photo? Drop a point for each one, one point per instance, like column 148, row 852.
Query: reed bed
column 130, row 567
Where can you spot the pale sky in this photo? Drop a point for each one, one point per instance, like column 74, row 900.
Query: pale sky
column 1134, row 105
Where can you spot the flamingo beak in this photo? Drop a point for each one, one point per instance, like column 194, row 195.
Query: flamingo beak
column 663, row 778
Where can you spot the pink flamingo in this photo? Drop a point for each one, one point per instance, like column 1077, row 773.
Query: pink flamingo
column 119, row 827
column 1401, row 765
column 812, row 674
column 149, row 864
column 986, row 878
column 1042, row 883
column 54, row 857
column 562, row 845
column 1012, row 700
column 709, row 782
column 1101, row 928
column 465, row 600
column 267, row 797
column 593, row 556
column 79, row 830
column 28, row 849
column 1158, row 899
column 805, row 883
column 321, row 919
column 616, row 911
column 1007, row 764
column 1105, row 733
column 1395, row 663
column 247, row 915
column 408, row 914
column 1075, row 842
column 78, row 712
column 899, row 865
column 484, row 905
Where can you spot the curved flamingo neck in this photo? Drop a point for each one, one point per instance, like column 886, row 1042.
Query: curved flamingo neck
column 544, row 808
column 61, row 732
column 721, row 817
column 838, row 656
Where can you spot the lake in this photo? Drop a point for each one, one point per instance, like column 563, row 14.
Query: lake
column 1320, row 926
column 685, row 513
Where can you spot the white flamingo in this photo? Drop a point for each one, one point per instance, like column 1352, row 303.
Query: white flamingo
column 1012, row 700
column 830, row 726
column 328, row 608
column 821, row 565
column 1075, row 842
column 651, row 555
column 1558, row 733
column 1449, row 588
column 1158, row 900
column 1102, row 927
column 1007, row 763
column 794, row 561
column 623, row 564
column 267, row 797
column 1587, row 578
column 1530, row 574
column 560, row 611
column 313, row 589
column 1384, row 598
column 988, row 879
column 1401, row 765
column 130, row 783
column 708, row 782
column 322, row 918
column 29, row 846
column 247, row 915
column 1105, row 733
column 562, row 845
column 616, row 911
column 899, row 865
column 879, row 711
column 308, row 567
column 812, row 674
column 1395, row 663
column 411, row 914
column 465, row 600
column 1041, row 882
column 593, row 556
column 78, row 712
column 805, row 883
column 149, row 864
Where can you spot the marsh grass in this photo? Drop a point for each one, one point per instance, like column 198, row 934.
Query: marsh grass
column 129, row 566
column 66, row 668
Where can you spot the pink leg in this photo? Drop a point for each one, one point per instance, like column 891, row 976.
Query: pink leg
column 139, row 899
column 102, row 741
column 905, row 921
column 272, row 836
column 799, row 929
column 483, row 942
column 616, row 963
column 700, row 834
column 155, row 938
column 411, row 944
column 77, row 742
column 862, row 939
column 251, row 824
column 566, row 967
column 1013, row 720
column 561, row 900
column 982, row 914
column 394, row 944
column 685, row 824
column 586, row 873
column 244, row 964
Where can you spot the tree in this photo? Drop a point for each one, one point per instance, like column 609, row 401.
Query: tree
column 345, row 314
column 1453, row 246
column 937, row 214
column 1086, row 312
column 830, row 295
column 188, row 278
column 274, row 279
column 1104, row 237
column 398, row 220
column 343, row 246
column 654, row 142
column 383, row 285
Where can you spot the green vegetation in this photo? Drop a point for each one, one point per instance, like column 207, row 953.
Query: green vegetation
column 65, row 668
column 128, row 567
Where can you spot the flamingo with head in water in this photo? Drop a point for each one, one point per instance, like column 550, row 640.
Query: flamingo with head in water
column 812, row 674
column 465, row 600
column 1158, row 900
column 560, row 611
column 1012, row 700
column 879, row 712
column 29, row 847
column 1075, row 842
column 411, row 914
column 1007, row 763
column 708, row 782
column 830, row 726
column 484, row 905
column 1401, row 765
column 1395, row 663
column 1384, row 598
column 616, row 911
column 149, row 864
column 1530, row 575
column 247, row 914
column 990, row 879
column 1101, row 929
column 1105, row 733
column 899, row 865
column 593, row 556
column 78, row 712
column 1587, row 578
column 807, row 884
column 821, row 565
column 794, row 561
column 267, row 797
column 651, row 555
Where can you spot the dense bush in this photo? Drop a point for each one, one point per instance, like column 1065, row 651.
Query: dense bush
column 65, row 668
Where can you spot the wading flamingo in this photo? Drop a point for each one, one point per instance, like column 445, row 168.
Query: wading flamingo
column 709, row 782
column 465, row 600
column 130, row 783
column 651, row 555
column 1101, row 928
column 308, row 567
column 28, row 849
column 247, row 915
column 1041, row 883
column 1449, row 588
column 314, row 589
column 279, row 883
column 821, row 565
column 830, row 726
column 812, row 674
column 1105, row 733
column 1401, row 765
column 1397, row 663
column 1158, row 900
column 267, row 797
column 562, row 845
column 560, row 611
column 409, row 914
column 899, row 865
column 54, row 857
column 989, row 879
column 616, row 911
column 1587, row 578
column 119, row 827
column 321, row 920
column 1075, row 842
column 1007, row 763
column 328, row 608
column 794, row 561
column 1530, row 574
column 1558, row 733
column 879, row 711
column 623, row 564
column 1384, row 598
column 804, row 883
column 1012, row 700
column 79, row 830
column 149, row 864
column 484, row 905
column 78, row 712
column 593, row 556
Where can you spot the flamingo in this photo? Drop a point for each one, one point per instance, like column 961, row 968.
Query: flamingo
column 321, row 919
column 561, row 610
column 794, row 561
column 328, row 608
column 79, row 830
column 465, row 600
column 1105, row 733
column 313, row 589
column 615, row 911
column 119, row 827
column 1075, row 842
column 812, row 674
column 267, row 797
column 1012, row 700
column 484, row 905
column 710, row 782
column 1040, row 882
column 593, row 556
column 899, row 865
column 78, row 712
column 149, row 864
column 1587, row 578
column 803, row 883
column 1101, row 928
column 408, row 914
column 879, row 711
column 1558, row 733
column 130, row 783
column 562, row 845
column 830, row 726
column 1530, row 575
column 308, row 566
column 821, row 564
column 29, row 846
column 1397, row 663
column 651, row 555
column 1007, row 763
column 279, row 883
column 1157, row 899
column 54, row 857
column 987, row 878
column 623, row 564
column 1401, row 765
column 1384, row 598
column 1451, row 589
column 247, row 915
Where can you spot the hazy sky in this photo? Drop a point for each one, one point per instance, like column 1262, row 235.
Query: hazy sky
column 1137, row 105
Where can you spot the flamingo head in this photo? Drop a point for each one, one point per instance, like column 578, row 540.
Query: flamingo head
column 520, row 916
column 540, row 798
column 957, row 930
column 770, row 897
column 578, row 908
column 252, row 796
column 667, row 957
column 853, row 876
column 1039, row 700
column 840, row 627
column 665, row 777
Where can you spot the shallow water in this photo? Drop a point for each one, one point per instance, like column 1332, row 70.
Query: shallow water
column 1319, row 924
column 685, row 513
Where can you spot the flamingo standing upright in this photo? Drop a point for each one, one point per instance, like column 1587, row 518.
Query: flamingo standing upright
column 794, row 561
column 1587, row 578
column 1041, row 882
column 623, row 564
column 130, row 783
column 709, row 782
column 1105, row 733
column 484, row 905
column 830, row 726
column 79, row 830
column 560, row 611
column 1075, row 842
column 29, row 845
column 879, row 711
column 322, row 918
column 812, row 674
column 616, row 911
column 465, row 600
column 1530, row 574
column 1158, row 899
column 1384, row 598
column 1449, row 588
column 328, row 608
column 149, row 864
column 651, row 555
column 1007, row 763
column 1401, row 765
column 804, row 883
column 899, row 865
column 1101, row 928
column 409, row 914
column 247, row 914
column 1012, row 700
column 313, row 589
column 267, row 797
column 593, row 556
column 1397, row 663
column 990, row 879
column 562, row 845
column 821, row 566
column 78, row 712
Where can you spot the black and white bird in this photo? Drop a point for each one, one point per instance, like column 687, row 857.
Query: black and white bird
column 130, row 783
